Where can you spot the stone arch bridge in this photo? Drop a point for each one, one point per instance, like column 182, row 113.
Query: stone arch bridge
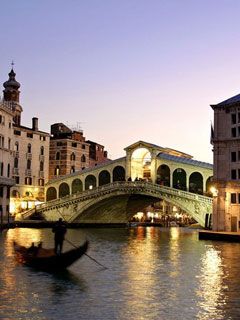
column 116, row 202
column 116, row 190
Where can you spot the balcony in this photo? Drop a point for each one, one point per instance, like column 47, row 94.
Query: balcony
column 29, row 156
column 16, row 154
column 28, row 173
column 15, row 171
column 41, row 174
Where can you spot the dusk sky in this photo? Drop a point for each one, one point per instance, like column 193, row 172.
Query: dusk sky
column 124, row 70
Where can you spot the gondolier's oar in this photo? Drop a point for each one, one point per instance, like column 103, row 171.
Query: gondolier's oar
column 87, row 255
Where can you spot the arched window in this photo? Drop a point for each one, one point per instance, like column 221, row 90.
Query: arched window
column 77, row 186
column 42, row 151
column 83, row 158
column 15, row 194
column 41, row 165
column 51, row 194
column 8, row 170
column 57, row 171
column 64, row 190
column 72, row 156
column 29, row 148
column 41, row 182
column 29, row 164
column 58, row 155
column 15, row 162
column 16, row 146
column 118, row 173
column 72, row 169
column 104, row 177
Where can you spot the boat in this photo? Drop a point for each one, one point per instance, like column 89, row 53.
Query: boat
column 46, row 259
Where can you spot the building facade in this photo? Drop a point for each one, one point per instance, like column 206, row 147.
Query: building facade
column 226, row 177
column 6, row 158
column 70, row 152
column 30, row 153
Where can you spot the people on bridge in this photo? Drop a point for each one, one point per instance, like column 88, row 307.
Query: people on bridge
column 59, row 230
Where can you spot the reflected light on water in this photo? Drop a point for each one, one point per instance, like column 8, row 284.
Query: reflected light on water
column 211, row 286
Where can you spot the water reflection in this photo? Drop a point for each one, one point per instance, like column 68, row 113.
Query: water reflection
column 210, row 289
column 153, row 273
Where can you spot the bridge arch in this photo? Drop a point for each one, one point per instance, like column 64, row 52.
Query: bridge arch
column 119, row 173
column 64, row 190
column 51, row 194
column 196, row 182
column 179, row 179
column 141, row 163
column 163, row 175
column 77, row 186
column 104, row 177
column 90, row 182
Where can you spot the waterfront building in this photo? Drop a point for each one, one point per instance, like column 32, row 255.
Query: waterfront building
column 226, row 170
column 30, row 156
column 70, row 152
column 6, row 158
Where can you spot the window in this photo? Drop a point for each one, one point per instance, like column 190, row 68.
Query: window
column 29, row 135
column 42, row 151
column 41, row 166
column 9, row 143
column 29, row 148
column 16, row 146
column 28, row 181
column 17, row 180
column 1, row 168
column 1, row 141
column 57, row 171
column 17, row 132
column 15, row 162
column 2, row 119
column 8, row 170
column 41, row 182
column 234, row 132
column 29, row 164
column 83, row 158
column 58, row 156
column 233, row 198
column 59, row 144
column 83, row 146
column 1, row 192
column 233, row 156
column 74, row 144
column 72, row 157
column 234, row 174
column 234, row 118
column 10, row 125
column 72, row 169
column 42, row 138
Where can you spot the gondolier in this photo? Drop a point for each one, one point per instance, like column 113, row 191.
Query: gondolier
column 59, row 230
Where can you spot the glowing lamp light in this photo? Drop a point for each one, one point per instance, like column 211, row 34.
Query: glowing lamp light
column 90, row 187
column 214, row 191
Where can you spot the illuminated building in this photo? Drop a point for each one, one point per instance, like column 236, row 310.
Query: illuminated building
column 30, row 155
column 226, row 149
column 6, row 158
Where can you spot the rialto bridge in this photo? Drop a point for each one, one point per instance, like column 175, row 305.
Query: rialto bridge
column 114, row 191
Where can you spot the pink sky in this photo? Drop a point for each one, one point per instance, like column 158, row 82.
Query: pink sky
column 125, row 70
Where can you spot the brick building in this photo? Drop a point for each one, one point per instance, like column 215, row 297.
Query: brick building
column 70, row 152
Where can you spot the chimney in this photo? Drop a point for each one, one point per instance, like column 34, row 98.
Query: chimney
column 35, row 124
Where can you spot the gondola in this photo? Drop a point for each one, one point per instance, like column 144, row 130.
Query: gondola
column 46, row 259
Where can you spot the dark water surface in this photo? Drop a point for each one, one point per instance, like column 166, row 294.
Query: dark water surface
column 153, row 273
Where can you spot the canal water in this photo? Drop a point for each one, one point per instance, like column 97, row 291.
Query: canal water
column 153, row 273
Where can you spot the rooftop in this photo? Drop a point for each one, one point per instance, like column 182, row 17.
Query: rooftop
column 185, row 160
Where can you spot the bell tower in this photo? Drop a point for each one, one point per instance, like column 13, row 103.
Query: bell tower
column 11, row 95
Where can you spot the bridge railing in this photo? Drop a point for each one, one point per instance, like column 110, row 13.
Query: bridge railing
column 118, row 185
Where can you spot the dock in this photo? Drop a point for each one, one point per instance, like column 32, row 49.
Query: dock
column 219, row 235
